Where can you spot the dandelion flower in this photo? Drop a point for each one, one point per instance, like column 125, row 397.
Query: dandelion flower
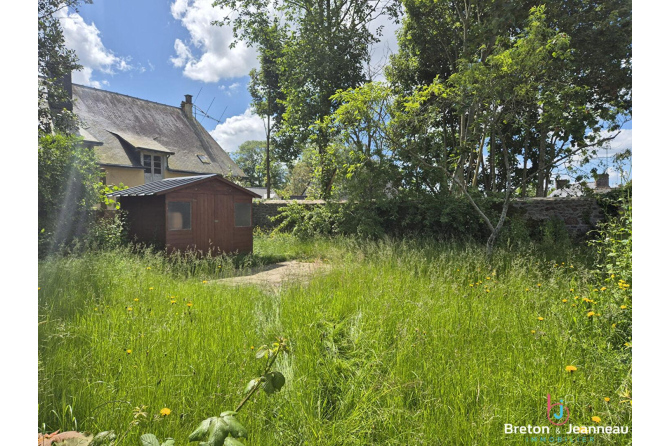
column 129, row 351
column 572, row 290
column 603, row 288
column 204, row 281
column 165, row 412
column 590, row 313
column 148, row 267
column 532, row 332
column 136, row 299
column 607, row 400
column 564, row 300
column 540, row 318
column 129, row 308
column 570, row 368
column 190, row 304
column 252, row 347
column 614, row 325
column 527, row 289
column 623, row 307
column 151, row 288
column 38, row 288
column 539, row 284
column 596, row 419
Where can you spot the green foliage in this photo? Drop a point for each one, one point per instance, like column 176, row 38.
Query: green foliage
column 251, row 158
column 66, row 185
column 104, row 189
column 55, row 62
column 107, row 232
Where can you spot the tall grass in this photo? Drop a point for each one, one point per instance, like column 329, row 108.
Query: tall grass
column 401, row 343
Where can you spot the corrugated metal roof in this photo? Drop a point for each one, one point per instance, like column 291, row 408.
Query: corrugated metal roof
column 124, row 125
column 158, row 186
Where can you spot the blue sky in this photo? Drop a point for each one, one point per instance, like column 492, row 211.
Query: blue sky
column 160, row 50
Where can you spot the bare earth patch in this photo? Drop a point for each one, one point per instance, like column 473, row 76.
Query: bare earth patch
column 278, row 273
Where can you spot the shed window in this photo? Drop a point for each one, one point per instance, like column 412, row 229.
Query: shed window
column 242, row 214
column 179, row 215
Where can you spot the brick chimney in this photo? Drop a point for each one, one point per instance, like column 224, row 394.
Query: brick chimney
column 603, row 181
column 187, row 106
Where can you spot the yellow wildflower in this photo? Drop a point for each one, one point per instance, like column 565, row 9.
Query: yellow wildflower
column 540, row 318
column 151, row 288
column 539, row 284
column 570, row 368
column 532, row 332
column 564, row 300
column 204, row 281
column 136, row 299
column 190, row 304
column 603, row 288
column 129, row 351
column 596, row 419
column 607, row 400
column 590, row 313
column 614, row 325
column 623, row 307
column 165, row 412
column 148, row 267
column 129, row 308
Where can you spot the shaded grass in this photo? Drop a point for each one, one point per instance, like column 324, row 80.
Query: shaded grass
column 402, row 343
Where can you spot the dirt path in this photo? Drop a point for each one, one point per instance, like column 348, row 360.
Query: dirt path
column 278, row 273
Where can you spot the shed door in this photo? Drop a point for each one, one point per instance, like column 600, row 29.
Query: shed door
column 223, row 220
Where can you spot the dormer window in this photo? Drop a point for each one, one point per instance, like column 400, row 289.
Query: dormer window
column 204, row 159
column 153, row 168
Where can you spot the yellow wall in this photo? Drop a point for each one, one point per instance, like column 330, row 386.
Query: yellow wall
column 170, row 174
column 129, row 177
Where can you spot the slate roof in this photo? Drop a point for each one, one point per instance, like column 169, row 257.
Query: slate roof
column 119, row 126
column 262, row 191
column 169, row 184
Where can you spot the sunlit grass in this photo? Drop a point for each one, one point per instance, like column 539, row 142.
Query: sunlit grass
column 400, row 343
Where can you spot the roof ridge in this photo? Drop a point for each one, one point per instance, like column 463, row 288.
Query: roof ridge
column 126, row 95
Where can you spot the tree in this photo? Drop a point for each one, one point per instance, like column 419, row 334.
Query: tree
column 68, row 175
column 251, row 158
column 325, row 50
column 55, row 63
column 266, row 94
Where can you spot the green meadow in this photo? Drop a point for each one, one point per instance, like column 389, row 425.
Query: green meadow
column 398, row 343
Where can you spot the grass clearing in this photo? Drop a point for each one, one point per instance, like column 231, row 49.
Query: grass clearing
column 400, row 343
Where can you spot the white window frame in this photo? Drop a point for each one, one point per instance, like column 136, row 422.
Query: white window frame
column 152, row 176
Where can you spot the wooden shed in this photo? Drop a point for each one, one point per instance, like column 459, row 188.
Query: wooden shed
column 200, row 213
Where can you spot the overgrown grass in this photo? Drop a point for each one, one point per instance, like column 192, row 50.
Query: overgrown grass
column 402, row 343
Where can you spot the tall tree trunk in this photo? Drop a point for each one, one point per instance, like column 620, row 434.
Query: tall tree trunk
column 541, row 164
column 267, row 159
column 524, row 186
column 492, row 162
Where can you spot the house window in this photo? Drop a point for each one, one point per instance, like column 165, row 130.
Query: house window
column 242, row 214
column 204, row 159
column 179, row 215
column 153, row 167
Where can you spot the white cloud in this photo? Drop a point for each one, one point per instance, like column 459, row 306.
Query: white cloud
column 85, row 40
column 207, row 56
column 238, row 129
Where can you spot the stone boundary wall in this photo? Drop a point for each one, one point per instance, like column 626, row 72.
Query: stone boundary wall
column 580, row 214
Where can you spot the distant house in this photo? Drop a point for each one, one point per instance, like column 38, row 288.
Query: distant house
column 263, row 192
column 564, row 189
column 201, row 213
column 138, row 141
